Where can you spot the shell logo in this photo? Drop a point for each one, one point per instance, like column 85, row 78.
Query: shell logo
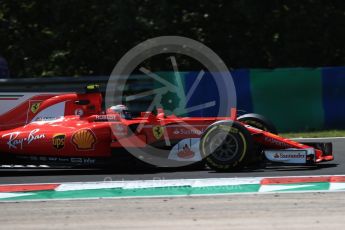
column 84, row 139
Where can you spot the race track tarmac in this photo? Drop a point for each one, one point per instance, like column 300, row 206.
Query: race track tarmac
column 19, row 176
column 300, row 211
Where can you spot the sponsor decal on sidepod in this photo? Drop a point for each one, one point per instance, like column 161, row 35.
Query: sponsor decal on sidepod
column 84, row 139
column 14, row 141
column 183, row 131
column 186, row 150
column 59, row 141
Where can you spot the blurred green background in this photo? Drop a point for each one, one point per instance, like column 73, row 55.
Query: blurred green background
column 74, row 37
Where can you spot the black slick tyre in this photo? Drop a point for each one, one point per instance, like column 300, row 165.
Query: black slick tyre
column 226, row 146
column 258, row 121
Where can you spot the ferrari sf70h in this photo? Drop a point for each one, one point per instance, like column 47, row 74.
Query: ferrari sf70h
column 72, row 129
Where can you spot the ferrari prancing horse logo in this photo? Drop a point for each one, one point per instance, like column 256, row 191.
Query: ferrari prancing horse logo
column 35, row 107
column 158, row 131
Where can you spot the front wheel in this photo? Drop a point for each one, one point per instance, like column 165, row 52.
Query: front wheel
column 226, row 146
column 258, row 121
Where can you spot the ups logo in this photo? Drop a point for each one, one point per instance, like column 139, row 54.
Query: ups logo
column 59, row 141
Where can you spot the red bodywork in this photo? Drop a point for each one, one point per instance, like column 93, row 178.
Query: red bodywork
column 73, row 125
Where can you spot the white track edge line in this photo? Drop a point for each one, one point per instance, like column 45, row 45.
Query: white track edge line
column 174, row 196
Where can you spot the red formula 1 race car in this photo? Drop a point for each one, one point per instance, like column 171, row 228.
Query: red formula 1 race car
column 71, row 129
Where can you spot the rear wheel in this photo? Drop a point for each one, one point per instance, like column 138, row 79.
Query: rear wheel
column 226, row 146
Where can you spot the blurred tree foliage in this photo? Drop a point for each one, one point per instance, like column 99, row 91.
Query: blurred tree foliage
column 88, row 37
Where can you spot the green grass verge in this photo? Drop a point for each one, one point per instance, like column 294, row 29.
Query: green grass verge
column 311, row 134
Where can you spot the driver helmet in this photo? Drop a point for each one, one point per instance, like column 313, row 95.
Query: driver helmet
column 122, row 110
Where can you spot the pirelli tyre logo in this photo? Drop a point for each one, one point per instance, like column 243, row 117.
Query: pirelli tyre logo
column 59, row 141
column 84, row 139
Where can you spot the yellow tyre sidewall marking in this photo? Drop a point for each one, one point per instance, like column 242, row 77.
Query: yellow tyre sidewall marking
column 231, row 130
column 244, row 146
